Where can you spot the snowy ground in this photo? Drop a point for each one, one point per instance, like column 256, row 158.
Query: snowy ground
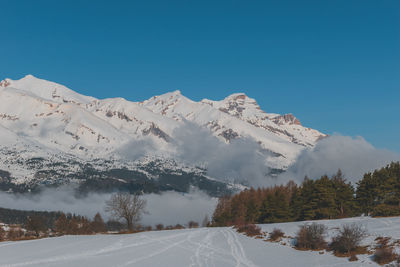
column 192, row 247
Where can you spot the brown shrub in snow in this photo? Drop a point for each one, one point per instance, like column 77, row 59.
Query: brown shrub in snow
column 384, row 255
column 348, row 239
column 311, row 236
column 276, row 234
column 249, row 229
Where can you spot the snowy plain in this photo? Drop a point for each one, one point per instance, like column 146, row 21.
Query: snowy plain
column 190, row 247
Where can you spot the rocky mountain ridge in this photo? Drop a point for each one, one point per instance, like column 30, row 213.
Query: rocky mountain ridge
column 50, row 122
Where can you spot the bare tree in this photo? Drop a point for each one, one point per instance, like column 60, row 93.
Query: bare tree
column 124, row 206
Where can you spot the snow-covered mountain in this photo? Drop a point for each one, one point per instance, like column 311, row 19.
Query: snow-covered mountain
column 50, row 123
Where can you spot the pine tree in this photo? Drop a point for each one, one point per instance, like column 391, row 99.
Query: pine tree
column 367, row 193
column 98, row 225
column 325, row 199
column 344, row 196
column 282, row 210
column 379, row 192
column 252, row 209
column 61, row 224
column 222, row 214
column 73, row 226
column 308, row 198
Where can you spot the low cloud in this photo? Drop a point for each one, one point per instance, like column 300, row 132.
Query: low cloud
column 136, row 149
column 241, row 160
column 56, row 199
column 354, row 156
column 169, row 208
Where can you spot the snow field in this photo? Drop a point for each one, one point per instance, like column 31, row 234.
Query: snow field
column 190, row 247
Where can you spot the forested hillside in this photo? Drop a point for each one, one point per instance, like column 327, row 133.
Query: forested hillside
column 376, row 194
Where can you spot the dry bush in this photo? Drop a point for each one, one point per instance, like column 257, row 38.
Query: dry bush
column 276, row 234
column 15, row 233
column 249, row 229
column 148, row 228
column 2, row 233
column 384, row 255
column 311, row 236
column 353, row 257
column 348, row 238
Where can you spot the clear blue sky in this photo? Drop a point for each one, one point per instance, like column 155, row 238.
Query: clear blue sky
column 333, row 64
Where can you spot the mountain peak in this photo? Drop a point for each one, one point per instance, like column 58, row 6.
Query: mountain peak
column 29, row 76
column 176, row 92
column 239, row 101
column 237, row 96
column 46, row 90
column 286, row 119
column 240, row 98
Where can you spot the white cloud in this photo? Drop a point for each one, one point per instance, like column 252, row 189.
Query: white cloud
column 354, row 156
column 241, row 160
column 168, row 208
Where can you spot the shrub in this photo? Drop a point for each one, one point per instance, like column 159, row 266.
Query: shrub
column 193, row 224
column 179, row 226
column 348, row 238
column 160, row 226
column 15, row 233
column 276, row 234
column 249, row 229
column 384, row 255
column 353, row 257
column 311, row 236
column 2, row 233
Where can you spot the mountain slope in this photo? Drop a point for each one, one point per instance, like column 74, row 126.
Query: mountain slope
column 42, row 119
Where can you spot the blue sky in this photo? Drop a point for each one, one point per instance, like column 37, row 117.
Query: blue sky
column 333, row 64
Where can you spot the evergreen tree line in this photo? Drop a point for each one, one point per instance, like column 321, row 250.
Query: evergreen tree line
column 376, row 194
